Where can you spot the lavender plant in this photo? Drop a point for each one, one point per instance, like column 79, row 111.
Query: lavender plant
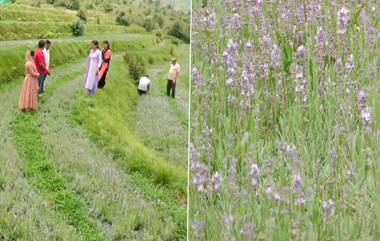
column 285, row 120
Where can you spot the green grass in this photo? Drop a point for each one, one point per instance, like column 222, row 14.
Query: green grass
column 119, row 139
column 14, row 30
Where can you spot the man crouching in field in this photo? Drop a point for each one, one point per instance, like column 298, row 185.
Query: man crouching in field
column 173, row 77
column 144, row 85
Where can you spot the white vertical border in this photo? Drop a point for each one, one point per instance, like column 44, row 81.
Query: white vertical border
column 189, row 125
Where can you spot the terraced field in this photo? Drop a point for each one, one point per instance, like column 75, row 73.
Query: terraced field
column 78, row 169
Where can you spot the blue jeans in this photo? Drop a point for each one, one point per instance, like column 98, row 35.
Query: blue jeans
column 41, row 80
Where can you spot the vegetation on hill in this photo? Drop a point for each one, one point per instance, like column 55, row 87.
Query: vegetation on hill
column 53, row 18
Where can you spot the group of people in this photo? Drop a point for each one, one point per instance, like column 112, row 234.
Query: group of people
column 98, row 64
column 172, row 77
column 37, row 68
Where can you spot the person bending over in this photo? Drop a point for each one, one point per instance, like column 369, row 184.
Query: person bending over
column 144, row 85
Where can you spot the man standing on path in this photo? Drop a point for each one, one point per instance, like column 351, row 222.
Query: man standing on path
column 173, row 77
column 39, row 60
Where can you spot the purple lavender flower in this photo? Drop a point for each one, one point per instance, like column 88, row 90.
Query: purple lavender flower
column 342, row 20
column 227, row 221
column 216, row 182
column 328, row 207
column 255, row 171
column 197, row 79
column 301, row 50
column 248, row 46
column 297, row 183
column 198, row 228
column 320, row 38
column 248, row 231
column 350, row 63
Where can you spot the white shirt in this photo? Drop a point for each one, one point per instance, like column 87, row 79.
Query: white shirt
column 144, row 82
column 47, row 57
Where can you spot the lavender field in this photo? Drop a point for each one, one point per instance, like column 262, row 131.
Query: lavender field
column 285, row 120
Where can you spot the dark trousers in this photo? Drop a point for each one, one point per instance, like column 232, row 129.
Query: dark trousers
column 141, row 92
column 41, row 80
column 170, row 88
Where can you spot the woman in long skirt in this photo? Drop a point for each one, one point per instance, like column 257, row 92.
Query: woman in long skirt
column 106, row 54
column 28, row 100
column 94, row 62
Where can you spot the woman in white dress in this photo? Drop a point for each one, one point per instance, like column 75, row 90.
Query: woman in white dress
column 94, row 62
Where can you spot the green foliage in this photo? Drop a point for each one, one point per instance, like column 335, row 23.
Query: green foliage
column 122, row 19
column 72, row 4
column 107, row 7
column 159, row 20
column 177, row 31
column 77, row 28
column 148, row 25
column 175, row 42
column 136, row 65
column 81, row 14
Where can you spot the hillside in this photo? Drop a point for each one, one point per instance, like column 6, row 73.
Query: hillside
column 81, row 168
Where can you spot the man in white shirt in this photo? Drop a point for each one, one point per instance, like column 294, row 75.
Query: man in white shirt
column 173, row 77
column 46, row 52
column 144, row 85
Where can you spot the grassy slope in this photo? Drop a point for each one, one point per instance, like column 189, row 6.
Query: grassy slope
column 109, row 118
column 121, row 139
column 107, row 213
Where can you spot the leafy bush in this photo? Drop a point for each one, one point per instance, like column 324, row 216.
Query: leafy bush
column 122, row 19
column 177, row 31
column 108, row 7
column 175, row 42
column 77, row 28
column 82, row 15
column 159, row 20
column 50, row 1
column 136, row 65
column 148, row 25
column 73, row 4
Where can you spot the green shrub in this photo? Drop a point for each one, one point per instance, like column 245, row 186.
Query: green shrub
column 77, row 28
column 175, row 42
column 148, row 25
column 159, row 20
column 177, row 31
column 107, row 7
column 122, row 19
column 50, row 1
column 73, row 4
column 136, row 65
column 151, row 60
column 81, row 14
